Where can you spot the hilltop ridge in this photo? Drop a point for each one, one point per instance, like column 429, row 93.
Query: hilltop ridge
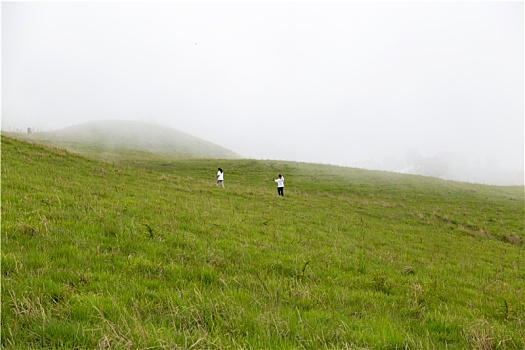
column 114, row 139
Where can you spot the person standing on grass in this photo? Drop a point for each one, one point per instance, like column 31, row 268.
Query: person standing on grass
column 220, row 178
column 280, row 185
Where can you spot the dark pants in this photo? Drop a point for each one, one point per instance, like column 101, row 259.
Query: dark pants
column 280, row 191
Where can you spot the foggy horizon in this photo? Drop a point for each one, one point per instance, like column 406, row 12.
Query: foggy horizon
column 368, row 85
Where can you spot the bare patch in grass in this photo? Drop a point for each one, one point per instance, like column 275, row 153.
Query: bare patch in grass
column 513, row 239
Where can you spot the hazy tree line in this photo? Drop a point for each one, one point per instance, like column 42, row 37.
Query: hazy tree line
column 451, row 166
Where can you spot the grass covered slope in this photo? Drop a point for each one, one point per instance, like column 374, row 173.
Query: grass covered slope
column 98, row 256
column 117, row 139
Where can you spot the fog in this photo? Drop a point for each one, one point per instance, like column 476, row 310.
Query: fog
column 435, row 88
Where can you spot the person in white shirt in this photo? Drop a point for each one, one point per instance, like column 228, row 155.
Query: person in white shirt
column 220, row 178
column 280, row 185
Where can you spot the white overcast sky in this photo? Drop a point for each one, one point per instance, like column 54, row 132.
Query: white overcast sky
column 330, row 82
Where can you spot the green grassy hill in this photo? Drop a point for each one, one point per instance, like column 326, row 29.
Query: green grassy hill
column 116, row 140
column 152, row 255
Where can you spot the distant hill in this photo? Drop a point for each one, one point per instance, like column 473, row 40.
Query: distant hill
column 111, row 139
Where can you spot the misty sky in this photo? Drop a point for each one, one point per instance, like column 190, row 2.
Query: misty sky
column 345, row 83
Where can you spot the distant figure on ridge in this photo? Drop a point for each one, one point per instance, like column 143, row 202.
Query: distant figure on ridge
column 220, row 178
column 280, row 185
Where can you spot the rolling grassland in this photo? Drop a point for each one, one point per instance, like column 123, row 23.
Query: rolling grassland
column 150, row 254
